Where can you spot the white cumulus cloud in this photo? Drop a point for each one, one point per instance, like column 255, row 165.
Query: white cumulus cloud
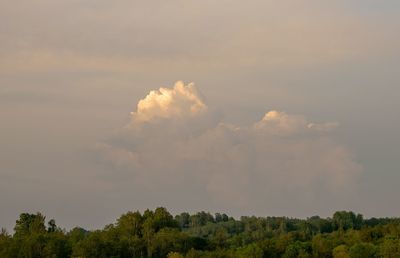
column 281, row 160
column 177, row 102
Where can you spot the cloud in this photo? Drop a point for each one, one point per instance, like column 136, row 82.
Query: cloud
column 280, row 123
column 179, row 102
column 282, row 157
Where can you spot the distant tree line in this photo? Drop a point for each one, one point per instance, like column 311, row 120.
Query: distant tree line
column 159, row 234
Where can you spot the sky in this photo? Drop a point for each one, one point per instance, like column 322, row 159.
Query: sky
column 250, row 108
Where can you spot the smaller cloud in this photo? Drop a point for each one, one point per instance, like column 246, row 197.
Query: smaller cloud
column 324, row 127
column 280, row 123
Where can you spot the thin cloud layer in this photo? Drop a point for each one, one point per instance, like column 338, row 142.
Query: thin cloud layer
column 172, row 144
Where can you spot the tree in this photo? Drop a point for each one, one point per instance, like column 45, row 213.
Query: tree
column 250, row 251
column 57, row 245
column 29, row 223
column 163, row 219
column 183, row 220
column 175, row 255
column 322, row 246
column 52, row 226
column 93, row 246
column 5, row 243
column 130, row 224
column 344, row 220
column 218, row 217
column 297, row 249
column 168, row 240
column 220, row 237
column 363, row 250
column 390, row 248
column 341, row 251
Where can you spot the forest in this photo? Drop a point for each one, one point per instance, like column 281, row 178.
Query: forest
column 160, row 234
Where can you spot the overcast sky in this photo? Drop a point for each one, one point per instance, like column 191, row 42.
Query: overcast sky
column 294, row 108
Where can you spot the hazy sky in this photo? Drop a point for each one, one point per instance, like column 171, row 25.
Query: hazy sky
column 294, row 108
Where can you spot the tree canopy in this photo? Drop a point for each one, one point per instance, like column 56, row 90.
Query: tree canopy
column 160, row 234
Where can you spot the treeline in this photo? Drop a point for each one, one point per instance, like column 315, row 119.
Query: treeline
column 159, row 234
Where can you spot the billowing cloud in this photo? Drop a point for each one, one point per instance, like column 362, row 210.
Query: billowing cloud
column 179, row 102
column 232, row 166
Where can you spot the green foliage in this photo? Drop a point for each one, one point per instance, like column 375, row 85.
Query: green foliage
column 341, row 251
column 158, row 234
column 344, row 220
column 175, row 255
column 29, row 224
column 390, row 248
column 363, row 250
column 252, row 250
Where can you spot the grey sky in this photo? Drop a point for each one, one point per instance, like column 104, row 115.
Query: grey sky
column 71, row 72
